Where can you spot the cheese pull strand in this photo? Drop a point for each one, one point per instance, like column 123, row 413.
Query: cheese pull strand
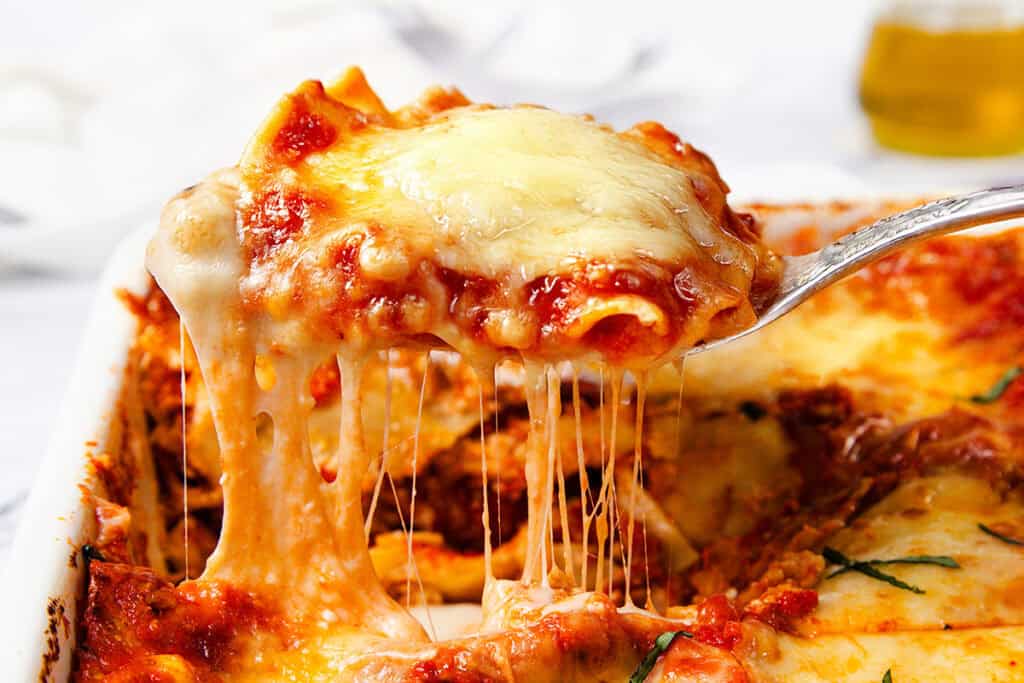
column 586, row 504
column 184, row 443
column 482, row 375
column 411, row 567
column 385, row 443
column 635, row 483
column 537, row 482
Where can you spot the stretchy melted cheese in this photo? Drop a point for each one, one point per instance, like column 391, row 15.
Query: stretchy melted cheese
column 348, row 229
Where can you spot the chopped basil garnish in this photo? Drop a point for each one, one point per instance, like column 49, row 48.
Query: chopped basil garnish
column 661, row 643
column 887, row 678
column 1000, row 387
column 89, row 552
column 868, row 567
column 1001, row 537
column 940, row 560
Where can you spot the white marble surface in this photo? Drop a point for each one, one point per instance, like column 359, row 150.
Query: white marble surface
column 106, row 108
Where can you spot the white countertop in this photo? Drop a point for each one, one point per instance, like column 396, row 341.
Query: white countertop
column 107, row 109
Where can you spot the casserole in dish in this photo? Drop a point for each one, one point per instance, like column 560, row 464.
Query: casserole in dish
column 835, row 497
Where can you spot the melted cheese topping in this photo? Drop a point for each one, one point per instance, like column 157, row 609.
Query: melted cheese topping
column 494, row 230
column 931, row 516
column 528, row 191
column 973, row 655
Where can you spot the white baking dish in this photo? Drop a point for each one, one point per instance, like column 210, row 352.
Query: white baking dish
column 43, row 585
column 44, row 580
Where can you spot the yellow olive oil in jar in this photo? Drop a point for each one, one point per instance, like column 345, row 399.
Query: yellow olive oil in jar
column 949, row 85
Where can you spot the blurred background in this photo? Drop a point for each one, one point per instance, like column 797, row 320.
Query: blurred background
column 109, row 107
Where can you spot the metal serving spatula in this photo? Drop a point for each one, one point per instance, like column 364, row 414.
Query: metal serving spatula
column 805, row 275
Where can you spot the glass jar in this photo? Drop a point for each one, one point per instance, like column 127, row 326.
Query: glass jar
column 947, row 78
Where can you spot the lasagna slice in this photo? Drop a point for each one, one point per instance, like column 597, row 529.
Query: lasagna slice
column 496, row 231
column 347, row 230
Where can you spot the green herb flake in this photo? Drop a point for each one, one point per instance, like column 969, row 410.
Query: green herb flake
column 1000, row 387
column 661, row 643
column 90, row 552
column 995, row 534
column 887, row 678
column 938, row 560
column 866, row 568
